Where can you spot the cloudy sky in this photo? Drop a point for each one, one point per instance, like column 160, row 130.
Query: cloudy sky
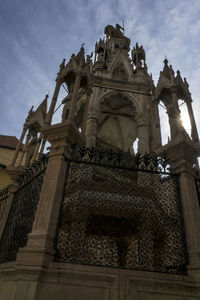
column 35, row 35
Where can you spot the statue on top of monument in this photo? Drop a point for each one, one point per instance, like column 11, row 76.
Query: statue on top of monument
column 112, row 31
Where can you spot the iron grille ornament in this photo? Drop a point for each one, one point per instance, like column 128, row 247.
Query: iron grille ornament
column 22, row 212
column 110, row 157
column 34, row 170
column 120, row 211
column 3, row 197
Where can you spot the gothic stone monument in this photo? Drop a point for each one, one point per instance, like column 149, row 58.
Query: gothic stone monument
column 94, row 218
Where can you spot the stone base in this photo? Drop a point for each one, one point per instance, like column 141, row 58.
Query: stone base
column 80, row 282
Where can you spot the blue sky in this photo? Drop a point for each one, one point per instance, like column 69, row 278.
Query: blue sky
column 36, row 35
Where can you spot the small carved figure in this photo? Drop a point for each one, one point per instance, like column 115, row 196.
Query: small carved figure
column 100, row 57
column 119, row 28
column 89, row 58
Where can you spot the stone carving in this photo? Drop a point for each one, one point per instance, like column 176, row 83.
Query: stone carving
column 138, row 54
column 112, row 31
column 119, row 73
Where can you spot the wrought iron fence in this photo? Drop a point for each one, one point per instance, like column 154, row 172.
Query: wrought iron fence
column 120, row 159
column 121, row 210
column 3, row 197
column 22, row 212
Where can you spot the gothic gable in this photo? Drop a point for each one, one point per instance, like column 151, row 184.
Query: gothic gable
column 121, row 67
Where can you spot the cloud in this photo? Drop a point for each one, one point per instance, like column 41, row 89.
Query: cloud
column 40, row 34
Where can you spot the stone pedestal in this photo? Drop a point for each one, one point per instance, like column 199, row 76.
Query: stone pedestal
column 80, row 282
column 15, row 173
column 39, row 250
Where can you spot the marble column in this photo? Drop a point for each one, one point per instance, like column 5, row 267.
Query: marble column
column 18, row 146
column 72, row 109
column 53, row 101
column 194, row 132
column 174, row 115
column 156, row 121
column 143, row 133
column 24, row 149
column 85, row 114
column 91, row 130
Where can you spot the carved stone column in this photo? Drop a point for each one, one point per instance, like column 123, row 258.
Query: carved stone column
column 91, row 130
column 174, row 115
column 37, row 148
column 85, row 114
column 18, row 146
column 39, row 249
column 143, row 133
column 53, row 101
column 182, row 154
column 194, row 132
column 24, row 149
column 156, row 130
column 173, row 122
column 72, row 109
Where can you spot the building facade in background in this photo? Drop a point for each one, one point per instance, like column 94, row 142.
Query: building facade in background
column 8, row 145
column 109, row 212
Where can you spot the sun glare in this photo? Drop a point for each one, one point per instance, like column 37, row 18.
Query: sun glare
column 185, row 119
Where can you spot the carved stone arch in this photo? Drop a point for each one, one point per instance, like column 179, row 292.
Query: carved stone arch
column 169, row 97
column 69, row 79
column 130, row 96
column 117, row 122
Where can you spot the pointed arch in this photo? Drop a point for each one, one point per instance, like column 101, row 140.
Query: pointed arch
column 117, row 123
column 135, row 100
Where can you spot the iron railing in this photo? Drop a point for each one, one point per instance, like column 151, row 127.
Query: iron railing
column 120, row 159
column 121, row 210
column 21, row 216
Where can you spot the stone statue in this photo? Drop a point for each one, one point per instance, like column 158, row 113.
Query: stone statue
column 111, row 31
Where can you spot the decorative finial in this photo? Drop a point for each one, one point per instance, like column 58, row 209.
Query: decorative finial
column 165, row 61
column 171, row 71
column 82, row 45
column 29, row 115
column 178, row 73
column 185, row 81
column 62, row 65
column 31, row 110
